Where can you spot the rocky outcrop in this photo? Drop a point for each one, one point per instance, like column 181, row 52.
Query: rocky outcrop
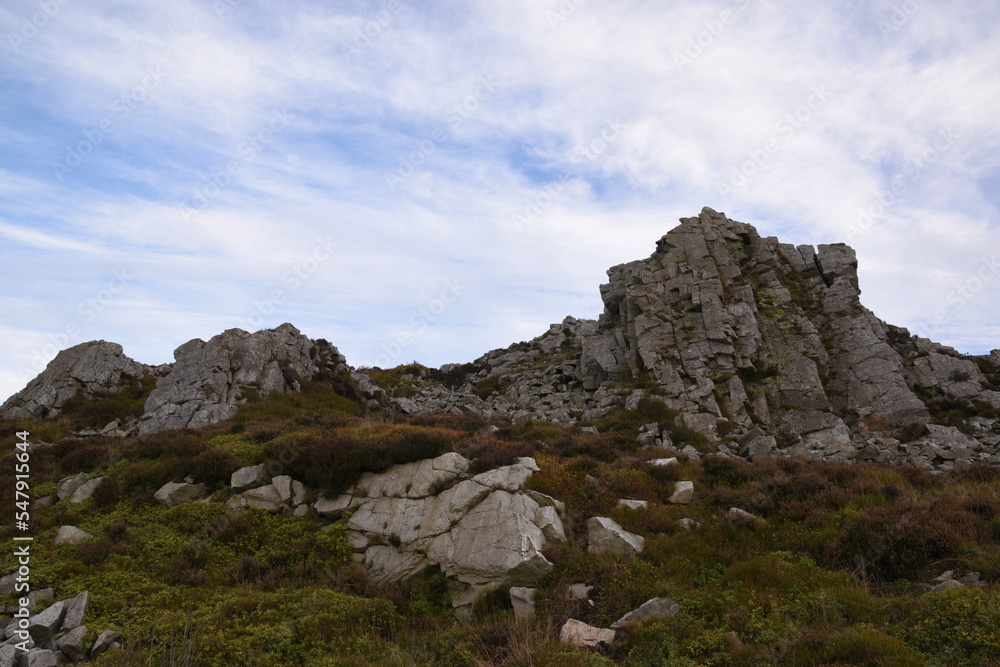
column 53, row 636
column 90, row 370
column 763, row 338
column 208, row 380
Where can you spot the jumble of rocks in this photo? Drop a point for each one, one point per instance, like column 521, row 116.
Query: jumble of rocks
column 53, row 636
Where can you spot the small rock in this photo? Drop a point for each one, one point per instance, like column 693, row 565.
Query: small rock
column 688, row 524
column 172, row 494
column 39, row 657
column 655, row 608
column 71, row 535
column 663, row 462
column 86, row 490
column 634, row 504
column 107, row 639
column 577, row 633
column 333, row 508
column 580, row 591
column 737, row 515
column 264, row 497
column 605, row 535
column 947, row 585
column 249, row 477
column 523, row 600
column 683, row 493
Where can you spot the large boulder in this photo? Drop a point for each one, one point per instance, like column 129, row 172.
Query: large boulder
column 43, row 626
column 249, row 477
column 482, row 532
column 85, row 490
column 605, row 535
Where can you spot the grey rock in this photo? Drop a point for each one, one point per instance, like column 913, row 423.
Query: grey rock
column 71, row 644
column 655, row 608
column 523, row 601
column 264, row 497
column 85, row 490
column 579, row 591
column 8, row 655
column 43, row 626
column 75, row 611
column 634, row 504
column 683, row 493
column 249, row 477
column 283, row 485
column 333, row 507
column 209, row 380
column 578, row 633
column 736, row 515
column 605, row 535
column 91, row 369
column 68, row 486
column 39, row 657
column 71, row 535
column 7, row 583
column 106, row 640
column 172, row 494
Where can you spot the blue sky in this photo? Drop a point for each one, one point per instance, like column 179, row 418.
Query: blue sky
column 427, row 184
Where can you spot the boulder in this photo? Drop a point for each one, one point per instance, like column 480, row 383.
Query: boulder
column 71, row 644
column 264, row 497
column 86, row 490
column 605, row 535
column 8, row 655
column 662, row 463
column 76, row 610
column 736, row 515
column 44, row 626
column 578, row 633
column 333, row 508
column 249, row 477
column 39, row 657
column 579, row 591
column 655, row 608
column 523, row 601
column 283, row 485
column 69, row 485
column 683, row 493
column 71, row 535
column 106, row 640
column 635, row 505
column 172, row 494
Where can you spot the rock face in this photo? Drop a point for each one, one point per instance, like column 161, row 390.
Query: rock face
column 482, row 531
column 766, row 338
column 208, row 380
column 91, row 369
column 760, row 344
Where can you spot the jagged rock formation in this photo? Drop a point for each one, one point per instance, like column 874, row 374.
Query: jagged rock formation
column 760, row 344
column 208, row 380
column 91, row 369
column 740, row 332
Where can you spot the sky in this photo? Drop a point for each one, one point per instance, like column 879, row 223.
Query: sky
column 430, row 181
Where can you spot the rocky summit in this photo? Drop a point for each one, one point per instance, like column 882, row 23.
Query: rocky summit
column 761, row 346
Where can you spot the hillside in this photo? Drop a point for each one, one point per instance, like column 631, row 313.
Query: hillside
column 737, row 464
